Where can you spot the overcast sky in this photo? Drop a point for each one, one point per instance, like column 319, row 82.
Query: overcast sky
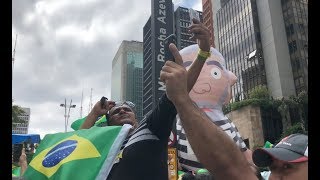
column 66, row 47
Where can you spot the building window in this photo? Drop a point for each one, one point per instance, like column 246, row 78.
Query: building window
column 292, row 47
column 301, row 81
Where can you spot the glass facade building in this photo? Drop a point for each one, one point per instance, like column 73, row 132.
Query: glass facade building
column 264, row 43
column 240, row 44
column 158, row 27
column 127, row 74
column 181, row 24
column 295, row 16
column 148, row 86
column 181, row 21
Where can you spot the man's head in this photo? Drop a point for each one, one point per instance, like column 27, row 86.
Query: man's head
column 287, row 160
column 122, row 113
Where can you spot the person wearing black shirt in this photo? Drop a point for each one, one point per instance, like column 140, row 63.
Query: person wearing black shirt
column 144, row 153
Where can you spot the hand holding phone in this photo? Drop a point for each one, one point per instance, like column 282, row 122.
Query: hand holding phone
column 103, row 101
column 17, row 149
column 167, row 53
column 108, row 104
column 193, row 14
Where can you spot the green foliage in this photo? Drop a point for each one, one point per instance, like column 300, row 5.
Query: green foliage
column 16, row 112
column 302, row 98
column 259, row 92
column 259, row 96
column 297, row 104
column 263, row 103
column 296, row 128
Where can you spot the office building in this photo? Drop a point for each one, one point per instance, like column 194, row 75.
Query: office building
column 264, row 43
column 207, row 11
column 156, row 29
column 240, row 44
column 181, row 24
column 23, row 127
column 178, row 23
column 126, row 81
column 295, row 17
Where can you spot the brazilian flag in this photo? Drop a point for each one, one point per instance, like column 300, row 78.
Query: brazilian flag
column 15, row 170
column 83, row 154
column 77, row 123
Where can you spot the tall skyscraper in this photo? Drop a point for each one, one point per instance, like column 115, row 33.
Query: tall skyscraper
column 153, row 52
column 22, row 128
column 207, row 11
column 126, row 81
column 295, row 16
column 157, row 28
column 283, row 46
column 264, row 43
column 240, row 44
column 181, row 24
column 148, row 92
column 216, row 5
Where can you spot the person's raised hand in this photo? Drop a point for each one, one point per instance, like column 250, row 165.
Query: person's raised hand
column 23, row 158
column 174, row 75
column 102, row 107
column 200, row 33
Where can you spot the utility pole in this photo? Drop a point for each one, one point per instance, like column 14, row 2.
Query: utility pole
column 14, row 53
column 90, row 103
column 81, row 104
column 66, row 116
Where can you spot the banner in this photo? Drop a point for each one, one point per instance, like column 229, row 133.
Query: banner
column 172, row 164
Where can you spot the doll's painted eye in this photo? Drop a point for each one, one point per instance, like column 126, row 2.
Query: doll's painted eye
column 216, row 73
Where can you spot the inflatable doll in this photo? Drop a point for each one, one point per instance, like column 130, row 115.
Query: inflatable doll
column 211, row 91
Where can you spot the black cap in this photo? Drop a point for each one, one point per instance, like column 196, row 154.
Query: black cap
column 293, row 148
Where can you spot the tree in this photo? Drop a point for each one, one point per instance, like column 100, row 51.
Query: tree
column 295, row 128
column 16, row 112
column 259, row 92
column 302, row 104
column 284, row 110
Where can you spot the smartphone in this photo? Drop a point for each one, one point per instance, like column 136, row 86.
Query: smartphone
column 17, row 148
column 103, row 100
column 167, row 53
column 193, row 14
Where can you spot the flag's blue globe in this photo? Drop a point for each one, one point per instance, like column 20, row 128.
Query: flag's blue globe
column 59, row 152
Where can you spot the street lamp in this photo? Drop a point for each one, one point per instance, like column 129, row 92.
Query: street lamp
column 66, row 117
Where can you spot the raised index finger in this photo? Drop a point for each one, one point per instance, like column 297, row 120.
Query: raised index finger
column 175, row 52
column 23, row 150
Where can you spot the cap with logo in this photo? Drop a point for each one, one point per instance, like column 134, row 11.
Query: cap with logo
column 293, row 148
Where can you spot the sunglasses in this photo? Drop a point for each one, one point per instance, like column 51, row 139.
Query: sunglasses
column 121, row 103
column 128, row 106
column 118, row 103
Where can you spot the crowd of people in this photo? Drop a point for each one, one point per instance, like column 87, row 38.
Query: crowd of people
column 144, row 153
